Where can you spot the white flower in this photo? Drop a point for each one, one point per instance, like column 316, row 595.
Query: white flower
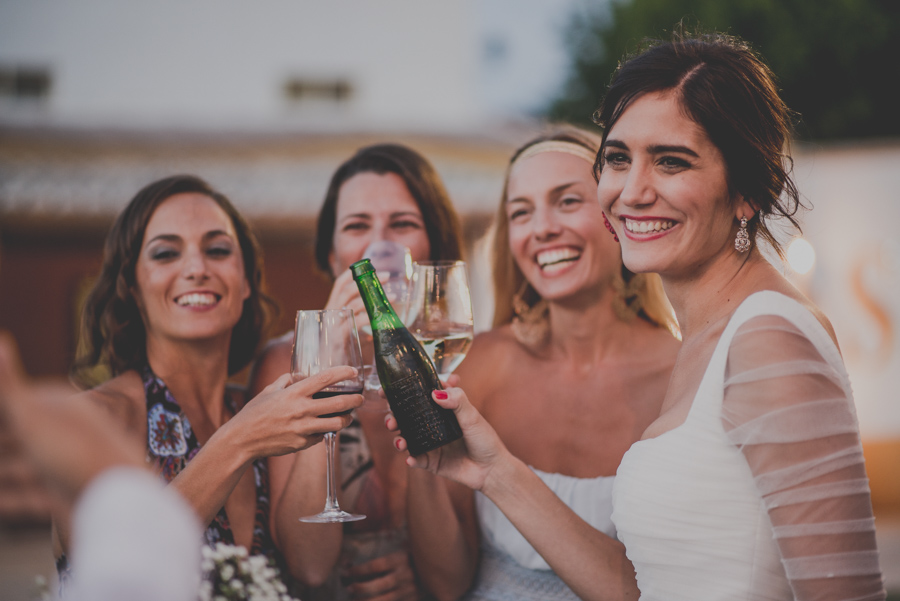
column 231, row 574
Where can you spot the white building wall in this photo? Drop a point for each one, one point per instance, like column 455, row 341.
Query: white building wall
column 223, row 63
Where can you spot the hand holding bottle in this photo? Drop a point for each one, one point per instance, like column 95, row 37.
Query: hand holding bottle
column 471, row 461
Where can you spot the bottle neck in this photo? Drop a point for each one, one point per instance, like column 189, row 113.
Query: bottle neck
column 381, row 314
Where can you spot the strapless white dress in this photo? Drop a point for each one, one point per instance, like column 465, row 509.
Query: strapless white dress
column 510, row 568
column 761, row 493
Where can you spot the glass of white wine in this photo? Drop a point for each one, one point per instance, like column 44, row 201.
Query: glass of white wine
column 439, row 314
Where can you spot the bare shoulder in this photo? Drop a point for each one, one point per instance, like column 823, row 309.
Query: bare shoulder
column 123, row 398
column 492, row 350
column 273, row 361
column 490, row 363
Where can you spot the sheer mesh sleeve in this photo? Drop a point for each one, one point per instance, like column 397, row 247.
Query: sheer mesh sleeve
column 791, row 413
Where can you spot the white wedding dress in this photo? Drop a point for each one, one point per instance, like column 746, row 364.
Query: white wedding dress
column 762, row 492
column 510, row 569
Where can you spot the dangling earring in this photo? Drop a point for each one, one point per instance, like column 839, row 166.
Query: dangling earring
column 609, row 226
column 742, row 240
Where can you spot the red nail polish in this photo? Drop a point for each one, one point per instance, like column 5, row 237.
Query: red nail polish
column 440, row 394
column 397, row 443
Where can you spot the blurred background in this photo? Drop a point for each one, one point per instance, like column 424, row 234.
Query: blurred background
column 265, row 99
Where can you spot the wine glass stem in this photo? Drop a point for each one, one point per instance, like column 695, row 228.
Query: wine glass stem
column 331, row 502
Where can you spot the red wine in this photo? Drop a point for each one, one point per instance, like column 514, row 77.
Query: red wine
column 327, row 394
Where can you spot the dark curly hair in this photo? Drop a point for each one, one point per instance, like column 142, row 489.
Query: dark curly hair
column 424, row 184
column 724, row 87
column 113, row 332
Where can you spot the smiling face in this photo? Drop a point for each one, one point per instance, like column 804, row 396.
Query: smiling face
column 372, row 207
column 664, row 185
column 189, row 278
column 556, row 231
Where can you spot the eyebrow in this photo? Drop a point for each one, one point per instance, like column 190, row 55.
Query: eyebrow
column 392, row 215
column 656, row 148
column 554, row 192
column 176, row 238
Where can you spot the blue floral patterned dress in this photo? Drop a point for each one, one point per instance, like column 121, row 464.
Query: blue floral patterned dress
column 171, row 444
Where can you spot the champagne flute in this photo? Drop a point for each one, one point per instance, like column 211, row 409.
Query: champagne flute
column 440, row 312
column 324, row 339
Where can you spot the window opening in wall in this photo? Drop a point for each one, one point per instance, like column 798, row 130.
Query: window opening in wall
column 24, row 83
column 301, row 89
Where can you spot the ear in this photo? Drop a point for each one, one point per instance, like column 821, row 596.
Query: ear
column 332, row 263
column 245, row 288
column 744, row 208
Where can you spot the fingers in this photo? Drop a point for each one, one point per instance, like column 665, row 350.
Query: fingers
column 452, row 381
column 388, row 577
column 332, row 375
column 283, row 381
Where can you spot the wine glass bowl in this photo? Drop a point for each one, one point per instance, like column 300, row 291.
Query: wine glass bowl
column 440, row 312
column 393, row 263
column 325, row 339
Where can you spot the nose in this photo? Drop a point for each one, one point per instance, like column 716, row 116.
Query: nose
column 194, row 266
column 544, row 225
column 638, row 189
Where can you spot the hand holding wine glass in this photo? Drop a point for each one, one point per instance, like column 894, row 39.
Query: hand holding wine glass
column 324, row 339
column 440, row 312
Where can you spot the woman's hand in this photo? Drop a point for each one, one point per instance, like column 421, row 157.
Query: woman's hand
column 469, row 461
column 386, row 578
column 284, row 418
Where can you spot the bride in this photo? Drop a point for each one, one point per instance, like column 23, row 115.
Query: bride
column 751, row 483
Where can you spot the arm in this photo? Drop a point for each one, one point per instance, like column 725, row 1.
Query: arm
column 297, row 487
column 281, row 419
column 443, row 522
column 791, row 414
column 591, row 563
column 443, row 534
column 126, row 523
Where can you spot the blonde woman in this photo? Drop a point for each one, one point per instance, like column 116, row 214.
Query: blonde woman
column 574, row 370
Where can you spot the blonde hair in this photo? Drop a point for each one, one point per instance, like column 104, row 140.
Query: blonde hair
column 638, row 294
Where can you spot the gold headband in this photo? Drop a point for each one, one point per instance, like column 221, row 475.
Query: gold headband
column 556, row 146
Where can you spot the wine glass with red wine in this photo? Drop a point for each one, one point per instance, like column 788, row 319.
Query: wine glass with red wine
column 324, row 339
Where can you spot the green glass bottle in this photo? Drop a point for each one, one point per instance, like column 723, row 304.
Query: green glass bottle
column 406, row 372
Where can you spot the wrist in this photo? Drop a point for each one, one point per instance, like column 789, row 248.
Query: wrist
column 229, row 437
column 503, row 475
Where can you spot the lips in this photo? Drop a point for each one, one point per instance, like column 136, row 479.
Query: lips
column 197, row 299
column 555, row 259
column 648, row 226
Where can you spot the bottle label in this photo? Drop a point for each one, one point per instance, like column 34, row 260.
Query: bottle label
column 418, row 416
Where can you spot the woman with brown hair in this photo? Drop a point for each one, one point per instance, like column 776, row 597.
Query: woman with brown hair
column 383, row 192
column 179, row 308
column 751, row 482
column 574, row 370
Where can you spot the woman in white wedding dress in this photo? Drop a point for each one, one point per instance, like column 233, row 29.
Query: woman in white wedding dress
column 751, row 483
column 574, row 370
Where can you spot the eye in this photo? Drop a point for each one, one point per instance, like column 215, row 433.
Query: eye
column 220, row 251
column 355, row 225
column 615, row 159
column 517, row 214
column 163, row 253
column 672, row 163
column 570, row 201
column 405, row 224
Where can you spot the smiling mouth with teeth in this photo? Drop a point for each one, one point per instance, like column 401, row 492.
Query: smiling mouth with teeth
column 197, row 300
column 552, row 260
column 649, row 226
